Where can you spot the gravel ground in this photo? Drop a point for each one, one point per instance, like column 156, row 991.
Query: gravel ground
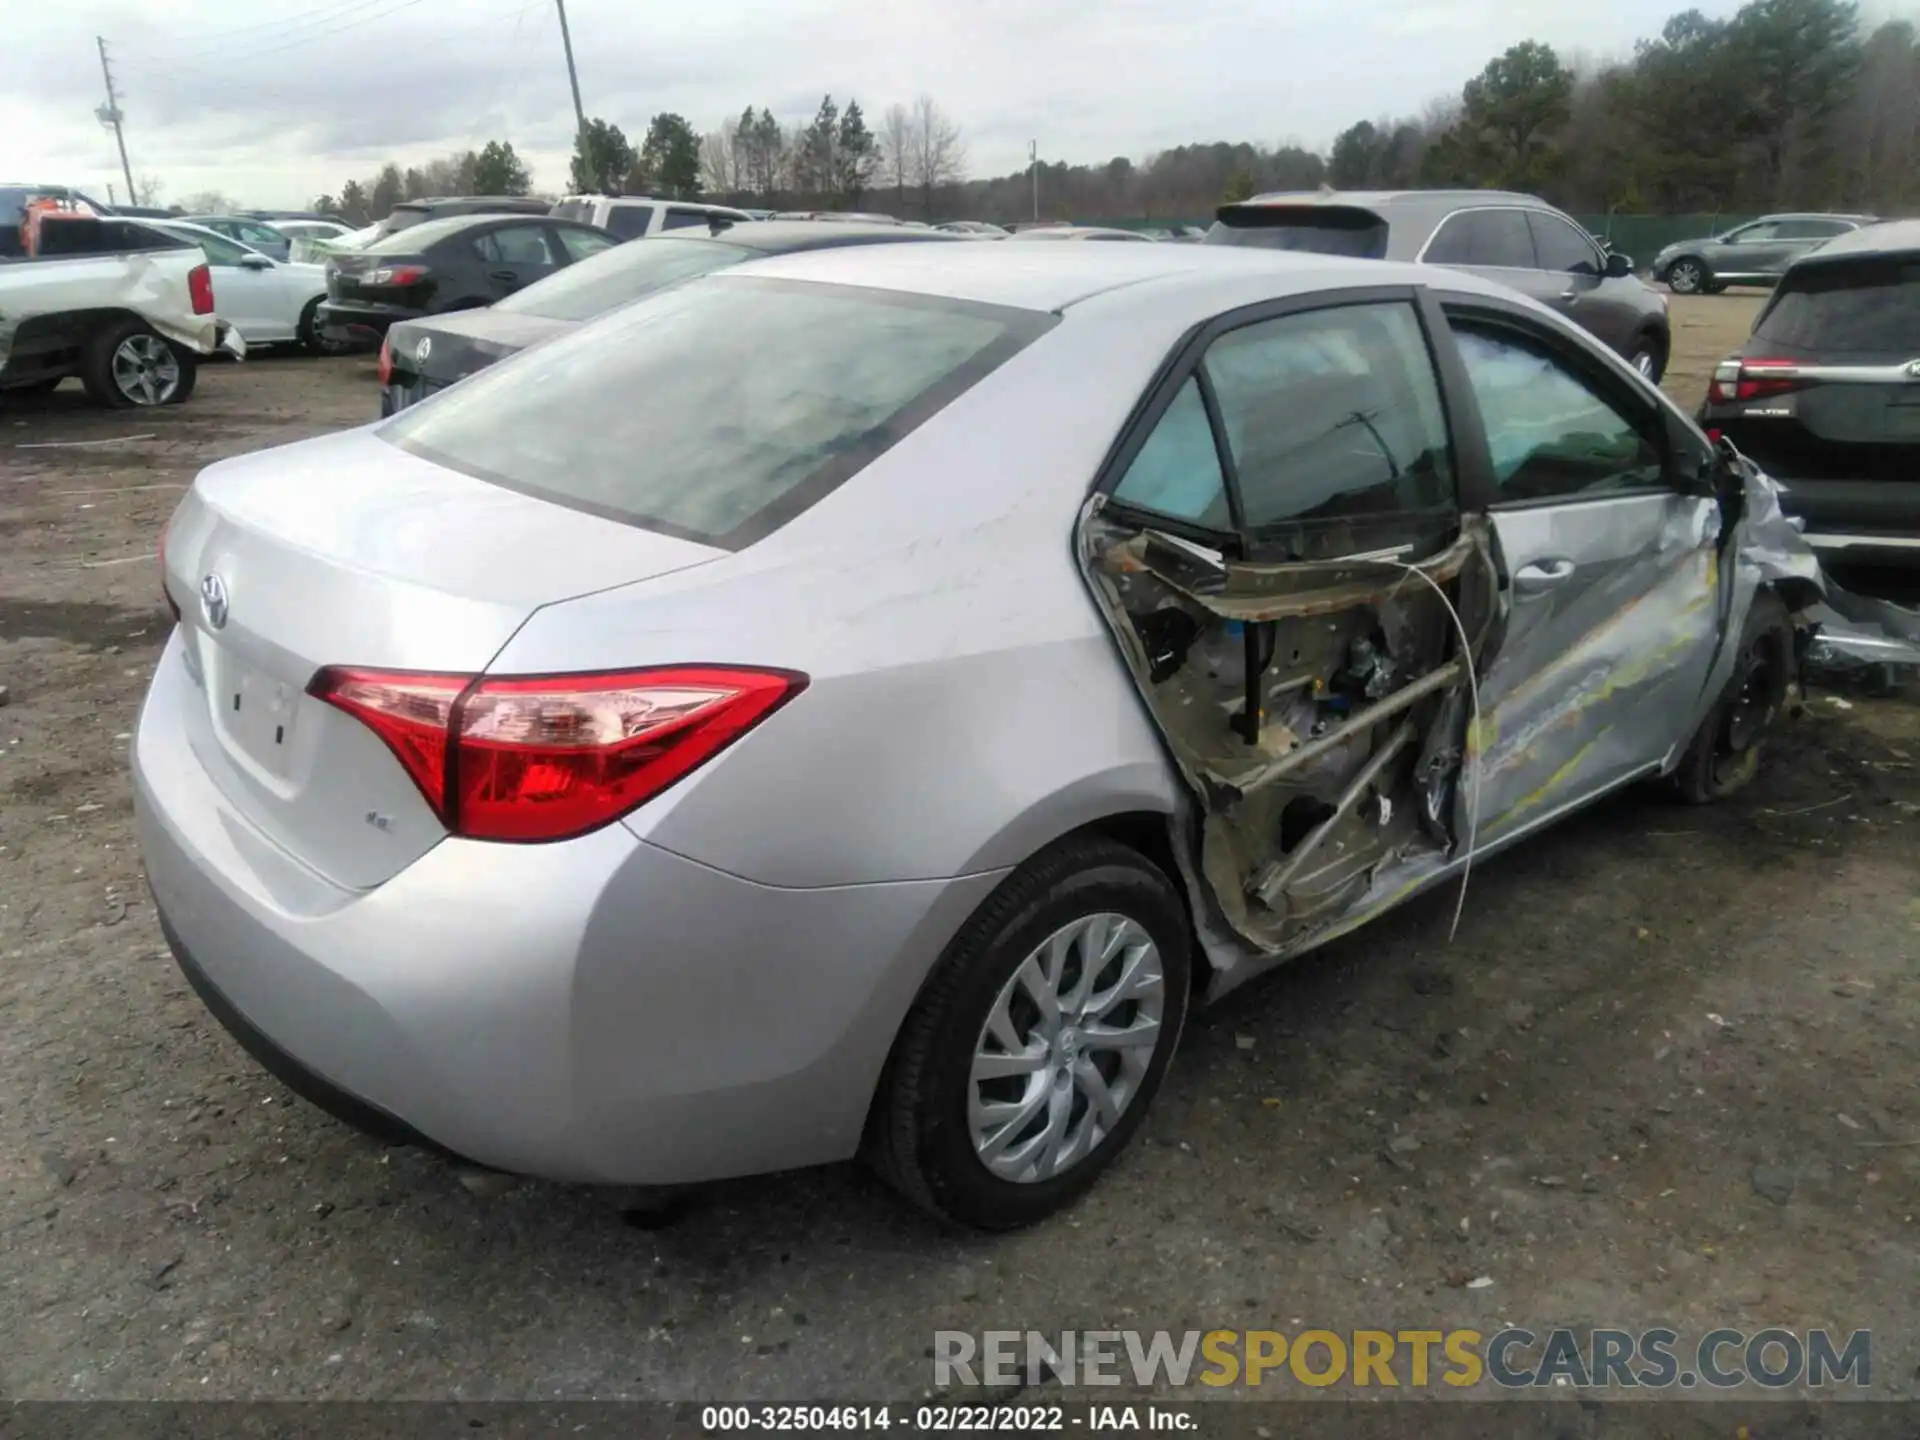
column 1665, row 1073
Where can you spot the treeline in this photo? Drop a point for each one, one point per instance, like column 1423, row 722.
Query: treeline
column 494, row 169
column 1789, row 104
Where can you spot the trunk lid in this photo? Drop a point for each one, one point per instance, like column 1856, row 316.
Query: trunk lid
column 350, row 551
column 465, row 341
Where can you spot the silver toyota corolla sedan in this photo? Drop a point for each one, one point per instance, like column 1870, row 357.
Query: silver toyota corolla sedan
column 858, row 701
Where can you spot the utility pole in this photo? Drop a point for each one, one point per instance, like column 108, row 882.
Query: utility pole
column 109, row 114
column 573, row 79
column 1033, row 168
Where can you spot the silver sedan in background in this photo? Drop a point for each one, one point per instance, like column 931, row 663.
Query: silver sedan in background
column 857, row 701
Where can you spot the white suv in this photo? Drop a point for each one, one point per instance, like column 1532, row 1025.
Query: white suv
column 629, row 217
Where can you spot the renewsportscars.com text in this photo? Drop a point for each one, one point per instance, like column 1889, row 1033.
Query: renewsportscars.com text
column 1510, row 1359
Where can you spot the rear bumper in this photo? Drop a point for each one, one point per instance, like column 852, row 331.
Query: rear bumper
column 598, row 1010
column 1863, row 522
column 359, row 324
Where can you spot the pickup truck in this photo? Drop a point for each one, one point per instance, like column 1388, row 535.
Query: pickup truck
column 125, row 308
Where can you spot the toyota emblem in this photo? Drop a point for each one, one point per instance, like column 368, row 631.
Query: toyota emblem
column 213, row 601
column 423, row 349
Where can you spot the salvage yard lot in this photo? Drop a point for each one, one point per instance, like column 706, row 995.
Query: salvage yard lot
column 1664, row 1074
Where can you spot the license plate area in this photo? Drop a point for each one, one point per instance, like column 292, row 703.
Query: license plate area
column 255, row 713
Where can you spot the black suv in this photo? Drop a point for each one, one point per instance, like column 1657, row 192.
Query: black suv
column 1825, row 395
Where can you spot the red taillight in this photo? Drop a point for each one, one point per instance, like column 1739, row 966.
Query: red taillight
column 550, row 757
column 200, row 289
column 1754, row 379
column 386, row 361
column 395, row 275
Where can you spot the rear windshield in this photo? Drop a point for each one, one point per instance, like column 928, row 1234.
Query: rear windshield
column 1317, row 230
column 716, row 411
column 418, row 233
column 1854, row 307
column 626, row 272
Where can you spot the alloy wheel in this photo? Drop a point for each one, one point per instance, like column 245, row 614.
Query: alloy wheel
column 1066, row 1048
column 146, row 370
column 1684, row 278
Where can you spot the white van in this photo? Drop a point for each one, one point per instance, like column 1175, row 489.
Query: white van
column 629, row 217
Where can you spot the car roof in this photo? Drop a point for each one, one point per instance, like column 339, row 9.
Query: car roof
column 781, row 237
column 440, row 227
column 1054, row 277
column 1890, row 237
column 1382, row 199
column 1812, row 215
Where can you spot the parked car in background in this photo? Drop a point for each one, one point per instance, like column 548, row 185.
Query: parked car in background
column 125, row 307
column 1523, row 243
column 974, row 227
column 631, row 217
column 270, row 302
column 1825, row 394
column 1080, row 232
column 442, row 207
column 1757, row 253
column 424, row 356
column 254, row 234
column 459, row 263
column 311, row 229
column 502, row 800
column 841, row 217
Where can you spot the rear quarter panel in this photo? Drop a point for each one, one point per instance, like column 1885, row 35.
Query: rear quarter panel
column 966, row 703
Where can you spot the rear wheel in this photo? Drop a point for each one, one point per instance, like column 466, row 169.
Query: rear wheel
column 1687, row 277
column 1031, row 1056
column 1725, row 753
column 128, row 365
column 314, row 337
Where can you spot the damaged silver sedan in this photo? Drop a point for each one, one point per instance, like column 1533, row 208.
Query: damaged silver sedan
column 857, row 701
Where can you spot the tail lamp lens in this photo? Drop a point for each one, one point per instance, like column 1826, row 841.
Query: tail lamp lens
column 551, row 757
column 200, row 289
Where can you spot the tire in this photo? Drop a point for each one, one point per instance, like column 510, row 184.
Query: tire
column 311, row 336
column 1724, row 754
column 922, row 1137
column 1688, row 276
column 126, row 365
column 1648, row 356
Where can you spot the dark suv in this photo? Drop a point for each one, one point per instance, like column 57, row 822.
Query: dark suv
column 1515, row 240
column 1825, row 395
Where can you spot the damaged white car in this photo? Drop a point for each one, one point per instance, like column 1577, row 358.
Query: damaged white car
column 127, row 309
column 856, row 700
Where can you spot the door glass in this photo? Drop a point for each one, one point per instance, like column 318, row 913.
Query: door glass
column 1177, row 471
column 1497, row 238
column 580, row 244
column 1333, row 413
column 629, row 222
column 1755, row 234
column 523, row 245
column 678, row 219
column 217, row 248
column 1561, row 247
column 1551, row 435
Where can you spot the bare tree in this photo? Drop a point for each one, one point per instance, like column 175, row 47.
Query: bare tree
column 720, row 157
column 939, row 154
column 148, row 189
column 898, row 147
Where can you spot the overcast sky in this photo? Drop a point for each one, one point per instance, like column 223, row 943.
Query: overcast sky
column 276, row 101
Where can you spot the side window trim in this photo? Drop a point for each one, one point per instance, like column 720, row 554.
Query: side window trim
column 1634, row 408
column 1184, row 362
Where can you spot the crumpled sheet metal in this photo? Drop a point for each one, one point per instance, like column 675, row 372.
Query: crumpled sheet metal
column 150, row 284
column 1851, row 630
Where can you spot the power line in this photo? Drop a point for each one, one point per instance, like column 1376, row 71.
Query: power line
column 194, row 46
column 227, row 57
